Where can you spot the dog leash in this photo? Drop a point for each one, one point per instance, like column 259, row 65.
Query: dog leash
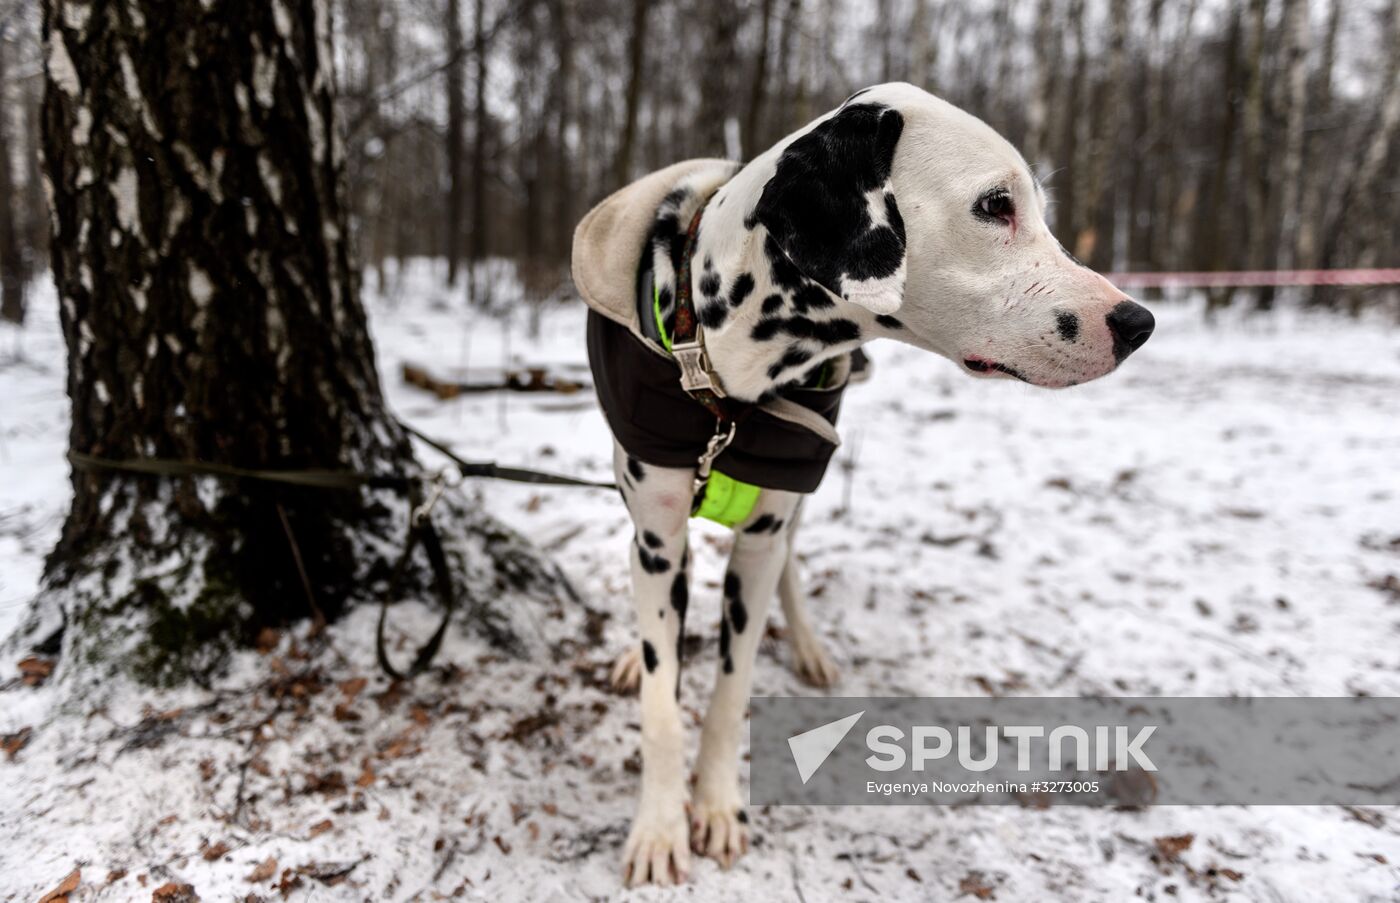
column 421, row 530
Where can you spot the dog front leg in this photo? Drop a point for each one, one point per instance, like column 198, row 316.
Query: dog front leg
column 657, row 850
column 719, row 826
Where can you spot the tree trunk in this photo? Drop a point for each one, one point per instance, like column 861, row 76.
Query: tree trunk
column 1066, row 208
column 211, row 314
column 1295, row 68
column 1103, row 143
column 1213, row 246
column 717, row 80
column 1313, row 210
column 563, row 225
column 456, row 114
column 477, row 250
column 754, row 115
column 636, row 63
column 1256, row 163
column 12, row 275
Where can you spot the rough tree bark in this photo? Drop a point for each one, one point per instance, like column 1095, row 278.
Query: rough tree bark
column 12, row 275
column 456, row 116
column 1100, row 158
column 210, row 309
column 1213, row 246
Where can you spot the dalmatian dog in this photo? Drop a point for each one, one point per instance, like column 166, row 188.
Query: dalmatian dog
column 895, row 216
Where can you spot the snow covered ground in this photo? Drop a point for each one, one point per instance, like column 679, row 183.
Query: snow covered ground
column 1221, row 517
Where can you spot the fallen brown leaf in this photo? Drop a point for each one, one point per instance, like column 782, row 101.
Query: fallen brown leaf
column 353, row 687
column 13, row 743
column 115, row 875
column 216, row 851
column 1173, row 846
column 321, row 827
column 170, row 892
column 264, row 871
column 975, row 884
column 65, row 887
column 367, row 775
column 35, row 669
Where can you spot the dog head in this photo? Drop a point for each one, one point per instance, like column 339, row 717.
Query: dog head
column 921, row 215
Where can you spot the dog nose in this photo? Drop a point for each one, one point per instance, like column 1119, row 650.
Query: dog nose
column 1131, row 325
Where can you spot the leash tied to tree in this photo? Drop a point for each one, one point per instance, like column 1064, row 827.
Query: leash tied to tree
column 421, row 531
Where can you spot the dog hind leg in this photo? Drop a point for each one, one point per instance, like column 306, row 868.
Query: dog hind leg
column 719, row 824
column 810, row 661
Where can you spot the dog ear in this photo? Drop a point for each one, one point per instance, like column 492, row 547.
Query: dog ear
column 830, row 210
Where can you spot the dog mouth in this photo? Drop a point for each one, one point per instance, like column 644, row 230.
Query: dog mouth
column 983, row 365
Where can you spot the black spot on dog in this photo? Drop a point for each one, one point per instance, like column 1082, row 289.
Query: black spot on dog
column 814, row 207
column 772, row 304
column 741, row 289
column 762, row 525
column 743, row 817
column 652, row 564
column 889, row 322
column 661, row 613
column 811, row 297
column 713, row 313
column 651, row 539
column 680, row 593
column 793, row 357
column 777, row 525
column 738, row 614
column 724, row 647
column 634, row 467
column 1067, row 325
column 663, row 297
column 649, row 656
column 785, row 273
column 709, row 284
column 827, row 332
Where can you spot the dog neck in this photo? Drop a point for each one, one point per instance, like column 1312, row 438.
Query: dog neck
column 766, row 326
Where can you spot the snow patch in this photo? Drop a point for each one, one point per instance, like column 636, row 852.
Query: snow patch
column 124, row 192
column 201, row 288
column 62, row 73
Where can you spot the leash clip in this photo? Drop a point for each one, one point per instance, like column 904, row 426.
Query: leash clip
column 446, row 478
column 696, row 375
column 713, row 449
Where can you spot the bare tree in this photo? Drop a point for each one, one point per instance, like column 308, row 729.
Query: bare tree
column 1312, row 214
column 456, row 118
column 1256, row 163
column 12, row 269
column 1295, row 69
column 636, row 64
column 480, row 131
column 759, row 83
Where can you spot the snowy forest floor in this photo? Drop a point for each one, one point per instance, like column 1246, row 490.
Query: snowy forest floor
column 1221, row 517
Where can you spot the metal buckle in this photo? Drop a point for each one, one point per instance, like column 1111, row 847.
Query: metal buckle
column 713, row 449
column 696, row 374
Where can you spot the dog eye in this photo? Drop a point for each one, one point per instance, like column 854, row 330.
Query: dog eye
column 995, row 205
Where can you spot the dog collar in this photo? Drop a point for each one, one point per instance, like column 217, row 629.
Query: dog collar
column 698, row 378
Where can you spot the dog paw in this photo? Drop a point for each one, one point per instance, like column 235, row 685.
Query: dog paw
column 656, row 850
column 627, row 670
column 720, row 831
column 811, row 663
